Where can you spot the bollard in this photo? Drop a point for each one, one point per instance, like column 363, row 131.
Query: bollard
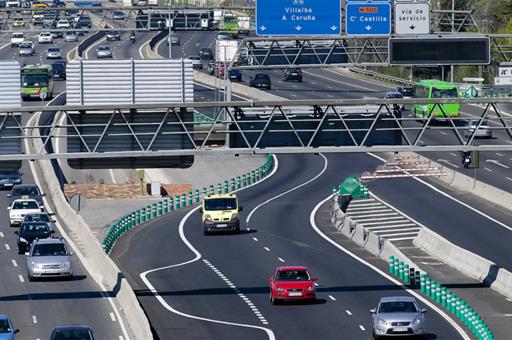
column 253, row 176
column 453, row 306
column 406, row 274
column 133, row 219
column 233, row 185
column 177, row 201
column 137, row 217
column 258, row 174
column 171, row 204
column 433, row 289
column 197, row 196
column 427, row 286
column 238, row 182
column 204, row 191
column 148, row 212
column 391, row 260
column 401, row 270
column 165, row 203
column 183, row 200
column 244, row 180
column 159, row 208
column 142, row 215
column 212, row 191
column 448, row 300
column 153, row 210
column 219, row 188
column 438, row 293
column 422, row 283
column 226, row 187
column 457, row 306
column 190, row 199
column 443, row 297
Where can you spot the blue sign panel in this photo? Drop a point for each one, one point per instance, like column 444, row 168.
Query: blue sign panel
column 368, row 18
column 298, row 17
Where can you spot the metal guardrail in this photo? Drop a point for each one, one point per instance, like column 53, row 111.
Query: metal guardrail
column 168, row 205
column 381, row 76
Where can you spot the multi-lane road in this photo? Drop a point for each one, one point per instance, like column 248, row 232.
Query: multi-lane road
column 215, row 287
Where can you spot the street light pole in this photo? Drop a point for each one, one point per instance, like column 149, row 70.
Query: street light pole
column 453, row 30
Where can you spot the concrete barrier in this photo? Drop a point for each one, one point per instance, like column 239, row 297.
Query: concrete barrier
column 366, row 239
column 88, row 42
column 99, row 265
column 465, row 261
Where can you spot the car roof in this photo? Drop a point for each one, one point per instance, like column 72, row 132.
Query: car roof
column 292, row 268
column 24, row 186
column 24, row 200
column 4, row 316
column 50, row 241
column 67, row 327
column 397, row 299
column 212, row 196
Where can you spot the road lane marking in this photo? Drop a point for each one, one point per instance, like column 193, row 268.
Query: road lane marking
column 21, row 278
column 1, row 234
column 255, row 239
column 499, row 154
column 313, row 224
column 401, row 234
column 197, row 256
column 112, row 317
column 362, row 328
column 266, row 248
column 453, row 154
column 288, row 191
column 508, row 178
column 488, row 169
column 351, row 213
column 391, row 226
column 348, row 312
column 7, row 247
column 14, row 263
column 443, row 133
column 332, row 298
column 384, row 222
column 34, row 319
column 280, row 259
column 447, row 196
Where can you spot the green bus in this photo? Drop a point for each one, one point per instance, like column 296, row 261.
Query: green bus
column 436, row 89
column 36, row 79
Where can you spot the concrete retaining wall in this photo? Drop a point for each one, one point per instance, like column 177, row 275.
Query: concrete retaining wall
column 465, row 261
column 99, row 265
column 88, row 42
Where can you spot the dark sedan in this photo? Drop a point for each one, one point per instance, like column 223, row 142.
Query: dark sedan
column 261, row 81
column 235, row 75
column 72, row 332
column 29, row 231
column 294, row 73
column 8, row 178
column 59, row 70
column 26, row 191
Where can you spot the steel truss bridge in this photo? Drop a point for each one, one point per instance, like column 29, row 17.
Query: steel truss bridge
column 307, row 126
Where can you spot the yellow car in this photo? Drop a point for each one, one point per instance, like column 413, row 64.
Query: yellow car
column 220, row 213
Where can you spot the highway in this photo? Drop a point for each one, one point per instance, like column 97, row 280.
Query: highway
column 347, row 289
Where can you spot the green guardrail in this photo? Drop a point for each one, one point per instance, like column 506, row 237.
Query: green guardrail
column 168, row 205
column 442, row 296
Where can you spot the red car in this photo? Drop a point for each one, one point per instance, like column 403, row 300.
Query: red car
column 292, row 283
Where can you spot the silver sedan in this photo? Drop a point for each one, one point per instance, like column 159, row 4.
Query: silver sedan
column 53, row 53
column 26, row 49
column 70, row 37
column 398, row 316
column 104, row 51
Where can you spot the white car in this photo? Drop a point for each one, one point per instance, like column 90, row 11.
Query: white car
column 45, row 38
column 17, row 38
column 63, row 23
column 21, row 207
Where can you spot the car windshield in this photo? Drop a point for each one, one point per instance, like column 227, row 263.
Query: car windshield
column 53, row 49
column 261, row 76
column 407, row 91
column 37, row 218
column 103, row 48
column 474, row 123
column 294, row 70
column 71, row 334
column 4, row 326
column 49, row 249
column 444, row 93
column 17, row 35
column 394, row 95
column 25, row 191
column 398, row 307
column 293, row 275
column 35, row 230
column 220, row 204
column 113, row 33
column 26, row 45
column 25, row 205
column 8, row 173
column 195, row 58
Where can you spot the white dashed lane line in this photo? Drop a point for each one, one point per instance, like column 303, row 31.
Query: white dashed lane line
column 249, row 303
column 1, row 234
column 7, row 247
column 508, row 178
column 20, row 277
column 112, row 317
column 362, row 327
column 266, row 248
column 348, row 312
column 332, row 298
column 487, row 169
column 255, row 239
column 14, row 263
column 280, row 259
column 34, row 319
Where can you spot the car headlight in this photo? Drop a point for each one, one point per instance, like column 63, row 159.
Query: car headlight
column 66, row 264
column 279, row 289
column 382, row 322
column 36, row 265
column 235, row 215
column 207, row 218
column 310, row 288
column 17, row 180
column 23, row 240
column 418, row 320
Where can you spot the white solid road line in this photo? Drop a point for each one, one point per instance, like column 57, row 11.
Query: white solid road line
column 447, row 196
column 198, row 256
column 348, row 312
column 384, row 222
column 313, row 224
column 357, row 218
column 361, row 208
column 399, row 229
column 392, row 226
column 379, row 219
column 247, row 220
column 402, row 239
column 400, row 234
column 351, row 213
column 70, row 242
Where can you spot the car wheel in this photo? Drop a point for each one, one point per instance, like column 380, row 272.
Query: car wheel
column 272, row 300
